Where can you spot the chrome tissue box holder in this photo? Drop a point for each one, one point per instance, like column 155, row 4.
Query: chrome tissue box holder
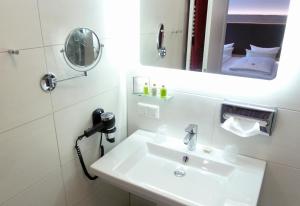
column 265, row 116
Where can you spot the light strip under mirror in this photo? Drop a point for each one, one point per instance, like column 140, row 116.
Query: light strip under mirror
column 275, row 93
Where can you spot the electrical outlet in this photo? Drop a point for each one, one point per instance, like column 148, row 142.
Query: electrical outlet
column 148, row 110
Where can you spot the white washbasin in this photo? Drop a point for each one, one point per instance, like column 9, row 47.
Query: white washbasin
column 144, row 165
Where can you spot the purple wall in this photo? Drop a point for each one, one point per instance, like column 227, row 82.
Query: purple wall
column 263, row 7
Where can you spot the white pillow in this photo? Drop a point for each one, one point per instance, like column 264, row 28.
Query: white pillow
column 225, row 58
column 228, row 52
column 251, row 53
column 266, row 50
column 228, row 45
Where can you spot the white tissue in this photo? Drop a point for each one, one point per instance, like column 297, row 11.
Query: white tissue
column 242, row 127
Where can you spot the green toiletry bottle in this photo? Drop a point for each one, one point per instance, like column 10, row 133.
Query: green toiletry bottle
column 146, row 89
column 163, row 92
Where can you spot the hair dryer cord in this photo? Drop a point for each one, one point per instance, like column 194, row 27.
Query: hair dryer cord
column 82, row 161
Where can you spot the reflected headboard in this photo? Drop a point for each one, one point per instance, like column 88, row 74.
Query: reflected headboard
column 259, row 30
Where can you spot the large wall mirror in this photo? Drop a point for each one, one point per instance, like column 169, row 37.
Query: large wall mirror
column 230, row 37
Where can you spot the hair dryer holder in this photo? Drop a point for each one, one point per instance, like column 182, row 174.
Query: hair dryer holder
column 103, row 122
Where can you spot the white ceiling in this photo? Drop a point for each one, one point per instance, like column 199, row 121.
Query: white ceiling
column 264, row 7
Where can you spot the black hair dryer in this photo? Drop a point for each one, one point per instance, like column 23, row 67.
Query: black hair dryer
column 104, row 123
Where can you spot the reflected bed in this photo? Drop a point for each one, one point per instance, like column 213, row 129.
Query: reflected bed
column 229, row 68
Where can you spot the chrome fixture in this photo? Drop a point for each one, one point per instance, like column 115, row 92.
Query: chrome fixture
column 179, row 172
column 48, row 82
column 82, row 52
column 264, row 116
column 185, row 159
column 10, row 51
column 13, row 52
column 191, row 138
column 162, row 52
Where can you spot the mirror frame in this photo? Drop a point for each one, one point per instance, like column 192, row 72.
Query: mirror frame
column 77, row 67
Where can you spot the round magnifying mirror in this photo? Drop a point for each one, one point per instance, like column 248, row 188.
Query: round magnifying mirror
column 82, row 49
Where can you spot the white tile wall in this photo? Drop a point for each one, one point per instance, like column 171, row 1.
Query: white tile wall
column 58, row 18
column 80, row 117
column 37, row 129
column 21, row 74
column 138, row 201
column 281, row 186
column 174, row 115
column 27, row 154
column 81, row 191
column 47, row 192
column 20, row 26
column 102, row 78
column 114, row 198
column 77, row 185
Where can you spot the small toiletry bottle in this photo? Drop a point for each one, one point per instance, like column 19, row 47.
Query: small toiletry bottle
column 146, row 89
column 163, row 92
column 154, row 90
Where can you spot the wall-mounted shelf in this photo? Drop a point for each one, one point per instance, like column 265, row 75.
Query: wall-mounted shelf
column 167, row 98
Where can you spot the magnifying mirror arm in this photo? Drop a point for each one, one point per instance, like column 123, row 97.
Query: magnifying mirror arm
column 74, row 77
column 49, row 82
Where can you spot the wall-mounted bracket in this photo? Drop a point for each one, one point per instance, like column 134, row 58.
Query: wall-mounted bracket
column 49, row 82
column 11, row 51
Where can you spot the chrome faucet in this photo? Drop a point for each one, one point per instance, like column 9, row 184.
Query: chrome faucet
column 191, row 138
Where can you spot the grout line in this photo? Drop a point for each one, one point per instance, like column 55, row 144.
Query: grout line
column 62, row 44
column 27, row 188
column 24, row 49
column 48, row 45
column 217, row 99
column 53, row 45
column 60, row 161
column 198, row 95
column 31, row 48
column 283, row 165
column 53, row 112
column 276, row 163
column 40, row 21
column 52, row 107
column 129, row 198
column 25, row 123
column 85, row 99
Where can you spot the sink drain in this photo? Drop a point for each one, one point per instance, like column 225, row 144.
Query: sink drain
column 179, row 172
